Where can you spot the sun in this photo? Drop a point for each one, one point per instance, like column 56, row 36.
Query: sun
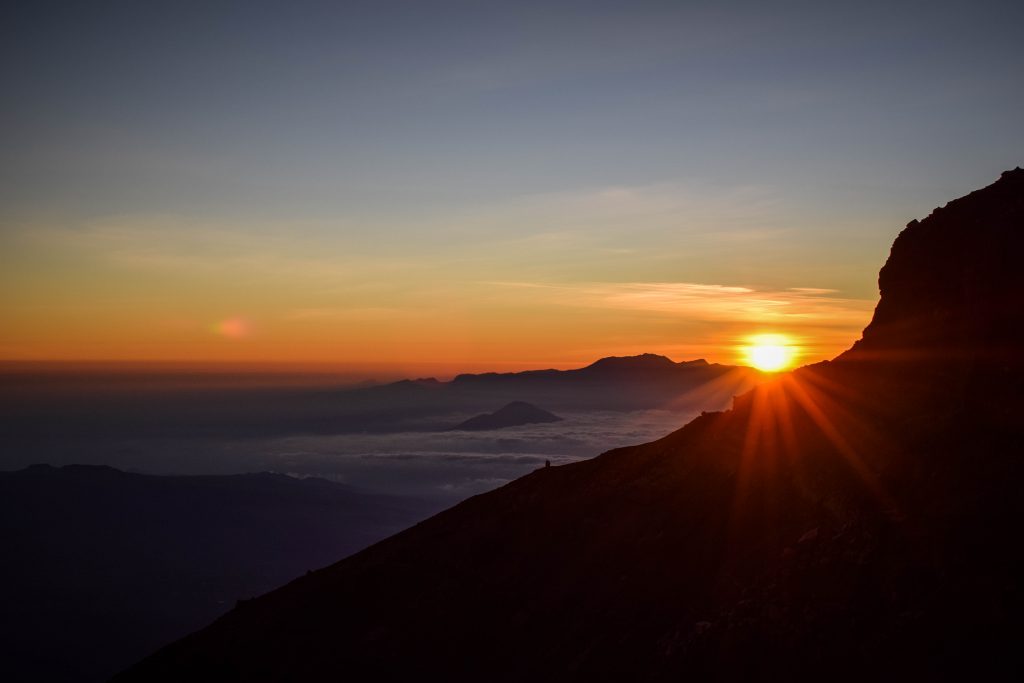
column 769, row 352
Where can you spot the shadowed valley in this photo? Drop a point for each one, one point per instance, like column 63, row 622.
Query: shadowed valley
column 102, row 566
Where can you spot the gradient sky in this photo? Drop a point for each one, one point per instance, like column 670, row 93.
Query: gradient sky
column 479, row 184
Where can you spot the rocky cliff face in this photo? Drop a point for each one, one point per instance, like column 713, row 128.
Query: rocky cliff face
column 952, row 282
column 854, row 518
column 950, row 321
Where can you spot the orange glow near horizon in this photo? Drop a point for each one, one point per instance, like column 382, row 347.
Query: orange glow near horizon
column 138, row 291
column 131, row 295
column 146, row 290
column 411, row 346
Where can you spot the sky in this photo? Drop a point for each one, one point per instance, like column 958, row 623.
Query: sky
column 444, row 186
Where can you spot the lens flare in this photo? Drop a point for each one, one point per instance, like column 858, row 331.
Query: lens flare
column 233, row 328
column 769, row 352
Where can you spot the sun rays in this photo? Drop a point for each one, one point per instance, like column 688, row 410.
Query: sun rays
column 803, row 423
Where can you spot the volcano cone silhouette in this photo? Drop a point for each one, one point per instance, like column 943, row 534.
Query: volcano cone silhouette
column 855, row 518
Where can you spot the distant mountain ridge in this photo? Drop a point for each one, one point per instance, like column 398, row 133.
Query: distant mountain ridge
column 852, row 520
column 614, row 383
column 618, row 384
column 610, row 365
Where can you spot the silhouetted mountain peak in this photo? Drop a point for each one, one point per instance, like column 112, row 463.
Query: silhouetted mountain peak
column 514, row 414
column 643, row 362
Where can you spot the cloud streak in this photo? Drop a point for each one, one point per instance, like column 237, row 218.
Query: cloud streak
column 710, row 302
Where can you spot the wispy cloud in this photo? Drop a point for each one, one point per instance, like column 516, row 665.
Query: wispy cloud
column 710, row 302
column 686, row 207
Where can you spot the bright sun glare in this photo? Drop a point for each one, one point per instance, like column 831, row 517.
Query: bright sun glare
column 769, row 352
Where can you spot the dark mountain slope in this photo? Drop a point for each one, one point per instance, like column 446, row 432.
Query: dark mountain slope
column 854, row 518
column 512, row 415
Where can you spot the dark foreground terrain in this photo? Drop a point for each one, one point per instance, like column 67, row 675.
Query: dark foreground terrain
column 100, row 567
column 857, row 519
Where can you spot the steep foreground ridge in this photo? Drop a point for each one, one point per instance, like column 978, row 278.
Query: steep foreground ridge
column 855, row 518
